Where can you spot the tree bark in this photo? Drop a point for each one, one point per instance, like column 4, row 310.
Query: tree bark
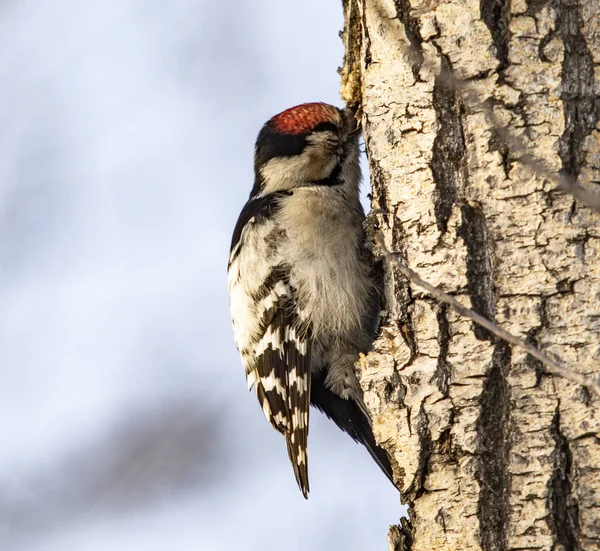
column 490, row 452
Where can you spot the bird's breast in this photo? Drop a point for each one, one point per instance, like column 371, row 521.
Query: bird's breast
column 323, row 249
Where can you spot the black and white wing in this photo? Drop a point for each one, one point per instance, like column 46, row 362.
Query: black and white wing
column 269, row 329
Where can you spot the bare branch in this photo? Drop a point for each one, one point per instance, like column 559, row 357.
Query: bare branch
column 552, row 366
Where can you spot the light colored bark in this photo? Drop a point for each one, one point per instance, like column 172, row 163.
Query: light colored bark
column 490, row 453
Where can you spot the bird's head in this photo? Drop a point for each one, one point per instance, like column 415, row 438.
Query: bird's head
column 307, row 145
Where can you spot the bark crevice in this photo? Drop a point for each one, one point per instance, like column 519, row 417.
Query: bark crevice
column 426, row 451
column 496, row 14
column 442, row 372
column 413, row 33
column 473, row 231
column 581, row 105
column 448, row 146
column 564, row 519
column 492, row 449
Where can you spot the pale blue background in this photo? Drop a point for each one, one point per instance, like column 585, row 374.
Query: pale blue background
column 126, row 139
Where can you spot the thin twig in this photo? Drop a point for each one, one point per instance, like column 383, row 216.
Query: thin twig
column 552, row 366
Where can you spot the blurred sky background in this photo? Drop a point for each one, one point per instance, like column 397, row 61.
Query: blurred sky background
column 126, row 139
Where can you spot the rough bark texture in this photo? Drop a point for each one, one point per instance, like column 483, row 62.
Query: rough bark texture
column 490, row 453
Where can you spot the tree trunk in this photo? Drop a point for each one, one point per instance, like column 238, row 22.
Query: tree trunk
column 490, row 452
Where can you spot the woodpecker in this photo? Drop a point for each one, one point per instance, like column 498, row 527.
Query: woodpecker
column 304, row 295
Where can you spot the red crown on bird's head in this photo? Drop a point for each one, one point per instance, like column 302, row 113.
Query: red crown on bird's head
column 303, row 118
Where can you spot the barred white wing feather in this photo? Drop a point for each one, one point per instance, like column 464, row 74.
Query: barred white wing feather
column 282, row 366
